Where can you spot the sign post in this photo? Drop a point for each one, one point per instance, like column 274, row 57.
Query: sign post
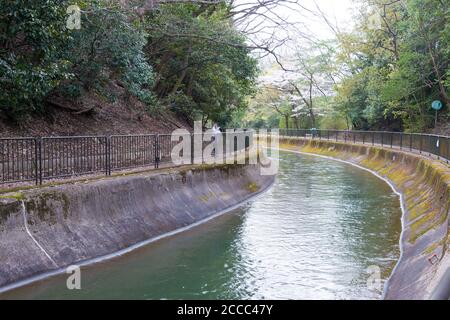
column 436, row 105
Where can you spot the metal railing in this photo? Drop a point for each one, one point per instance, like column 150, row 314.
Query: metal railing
column 44, row 158
column 430, row 144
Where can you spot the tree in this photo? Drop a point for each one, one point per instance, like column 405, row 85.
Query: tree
column 108, row 46
column 204, row 69
column 312, row 77
column 395, row 66
column 32, row 63
column 422, row 70
column 188, row 55
column 40, row 58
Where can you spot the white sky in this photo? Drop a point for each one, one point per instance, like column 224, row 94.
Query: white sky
column 304, row 22
column 338, row 11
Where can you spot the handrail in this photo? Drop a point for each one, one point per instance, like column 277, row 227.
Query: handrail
column 366, row 131
column 42, row 158
column 437, row 145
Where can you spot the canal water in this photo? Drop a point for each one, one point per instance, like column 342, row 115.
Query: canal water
column 321, row 232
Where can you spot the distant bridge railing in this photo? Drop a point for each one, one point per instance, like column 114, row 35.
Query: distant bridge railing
column 44, row 158
column 430, row 144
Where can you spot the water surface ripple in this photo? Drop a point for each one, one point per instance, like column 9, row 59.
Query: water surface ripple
column 311, row 236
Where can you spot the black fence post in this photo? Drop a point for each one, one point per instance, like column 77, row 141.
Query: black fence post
column 448, row 149
column 36, row 160
column 382, row 139
column 430, row 145
column 247, row 139
column 373, row 138
column 39, row 166
column 192, row 148
column 401, row 140
column 157, row 151
column 108, row 155
column 410, row 141
column 392, row 138
column 421, row 143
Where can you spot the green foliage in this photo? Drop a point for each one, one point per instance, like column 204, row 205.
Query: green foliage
column 32, row 36
column 39, row 56
column 109, row 46
column 332, row 121
column 204, row 67
column 261, row 112
column 188, row 56
column 397, row 67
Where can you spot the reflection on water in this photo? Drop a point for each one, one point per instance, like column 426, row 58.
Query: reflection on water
column 312, row 236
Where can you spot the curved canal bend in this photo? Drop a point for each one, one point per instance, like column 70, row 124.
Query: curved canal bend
column 312, row 236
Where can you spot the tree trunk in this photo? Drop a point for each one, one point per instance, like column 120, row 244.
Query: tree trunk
column 183, row 73
column 442, row 91
column 311, row 111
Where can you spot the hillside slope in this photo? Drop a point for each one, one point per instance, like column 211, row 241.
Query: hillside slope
column 126, row 115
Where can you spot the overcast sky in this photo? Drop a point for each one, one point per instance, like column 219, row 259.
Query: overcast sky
column 304, row 21
column 339, row 11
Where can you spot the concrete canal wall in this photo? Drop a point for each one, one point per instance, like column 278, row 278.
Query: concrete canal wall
column 425, row 188
column 49, row 228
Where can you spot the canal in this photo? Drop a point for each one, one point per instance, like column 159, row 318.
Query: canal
column 313, row 235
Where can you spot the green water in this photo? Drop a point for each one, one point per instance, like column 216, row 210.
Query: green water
column 312, row 236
